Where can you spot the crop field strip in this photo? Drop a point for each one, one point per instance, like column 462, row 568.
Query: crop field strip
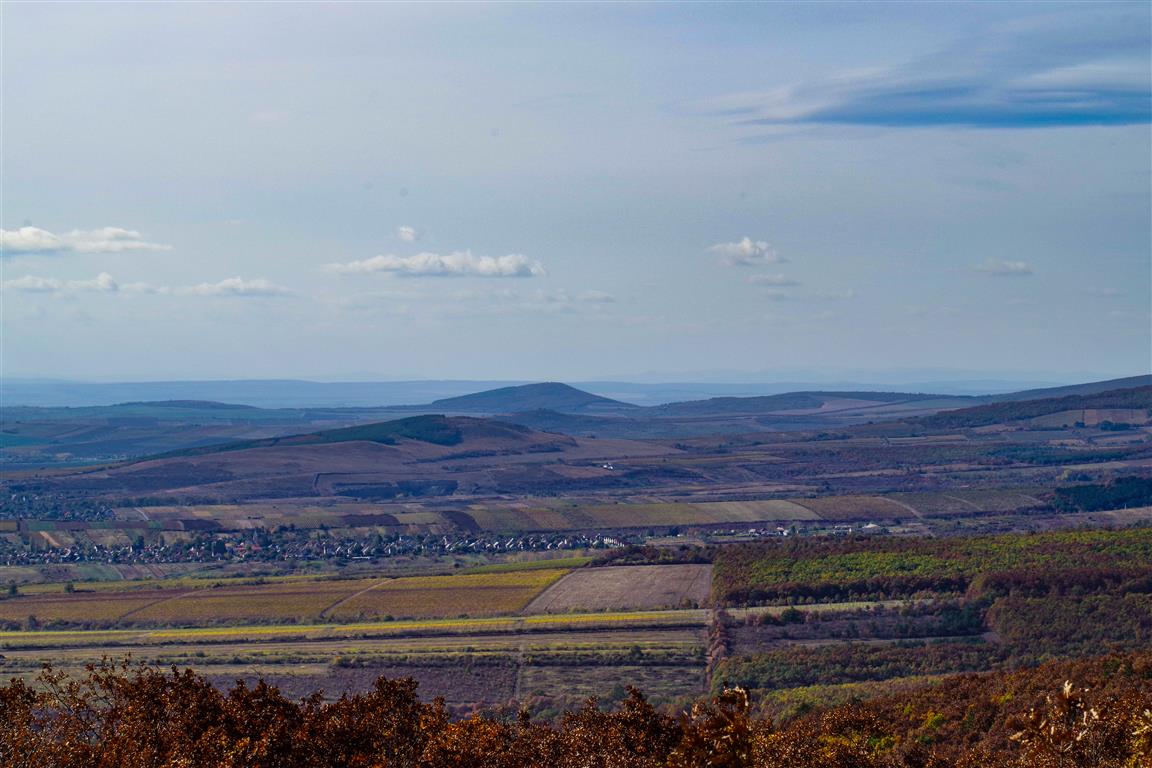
column 208, row 636
column 678, row 641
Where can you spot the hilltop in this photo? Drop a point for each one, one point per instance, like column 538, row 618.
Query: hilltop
column 552, row 396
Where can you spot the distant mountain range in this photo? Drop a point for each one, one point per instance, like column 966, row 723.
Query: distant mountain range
column 30, row 435
column 291, row 393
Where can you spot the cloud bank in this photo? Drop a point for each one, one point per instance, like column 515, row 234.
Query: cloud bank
column 455, row 264
column 33, row 240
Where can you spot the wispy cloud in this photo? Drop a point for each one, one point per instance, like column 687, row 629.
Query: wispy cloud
column 775, row 281
column 455, row 264
column 33, row 240
column 407, row 234
column 506, row 302
column 1065, row 69
column 747, row 252
column 597, row 297
column 104, row 283
column 773, row 293
column 235, row 286
column 1000, row 268
column 1104, row 293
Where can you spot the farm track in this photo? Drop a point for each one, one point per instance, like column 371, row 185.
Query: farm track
column 155, row 603
column 324, row 613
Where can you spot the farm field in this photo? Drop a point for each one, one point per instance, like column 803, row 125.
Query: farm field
column 571, row 642
column 127, row 638
column 470, row 661
column 617, row 588
column 191, row 602
column 482, row 594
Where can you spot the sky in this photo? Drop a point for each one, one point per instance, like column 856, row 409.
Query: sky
column 574, row 191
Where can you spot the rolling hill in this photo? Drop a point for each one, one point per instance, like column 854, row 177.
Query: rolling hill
column 551, row 396
column 416, row 456
column 1133, row 404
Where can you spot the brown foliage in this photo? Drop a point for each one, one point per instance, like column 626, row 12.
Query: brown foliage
column 142, row 717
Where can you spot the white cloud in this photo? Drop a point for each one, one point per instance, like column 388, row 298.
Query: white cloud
column 747, row 253
column 779, row 281
column 455, row 264
column 33, row 284
column 597, row 297
column 235, row 286
column 407, row 234
column 103, row 283
column 999, row 268
column 104, row 240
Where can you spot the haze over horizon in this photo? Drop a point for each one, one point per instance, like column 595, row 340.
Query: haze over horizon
column 575, row 193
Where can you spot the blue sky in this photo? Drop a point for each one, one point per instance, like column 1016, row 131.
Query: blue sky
column 574, row 191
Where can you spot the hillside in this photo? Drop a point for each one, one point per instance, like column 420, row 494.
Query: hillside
column 1135, row 399
column 415, row 456
column 439, row 430
column 551, row 396
column 794, row 401
column 1091, row 388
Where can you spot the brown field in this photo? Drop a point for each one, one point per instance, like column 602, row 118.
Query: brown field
column 1091, row 417
column 202, row 602
column 636, row 587
column 458, row 684
column 658, row 682
column 967, row 502
column 835, row 508
column 577, row 516
column 301, row 601
column 78, row 608
column 481, row 594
